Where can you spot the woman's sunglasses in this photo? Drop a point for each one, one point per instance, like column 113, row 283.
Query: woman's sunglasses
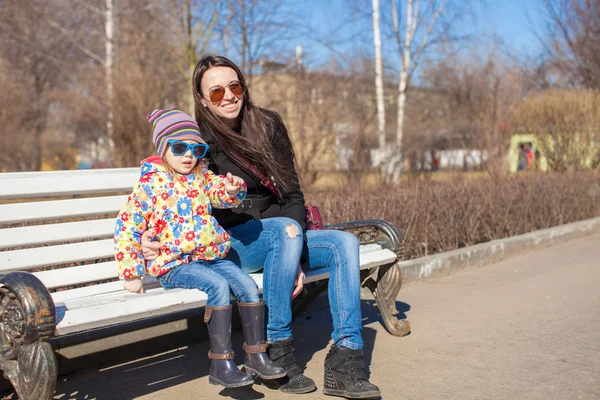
column 179, row 148
column 217, row 93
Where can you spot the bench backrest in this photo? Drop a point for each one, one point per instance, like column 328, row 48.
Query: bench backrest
column 59, row 225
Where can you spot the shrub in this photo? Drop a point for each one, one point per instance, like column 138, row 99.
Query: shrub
column 443, row 216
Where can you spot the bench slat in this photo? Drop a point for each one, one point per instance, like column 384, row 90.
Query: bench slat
column 370, row 255
column 100, row 289
column 21, row 185
column 82, row 274
column 56, row 233
column 56, row 209
column 89, row 312
column 367, row 260
column 88, row 308
column 54, row 255
column 127, row 307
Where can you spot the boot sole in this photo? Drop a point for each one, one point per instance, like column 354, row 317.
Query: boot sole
column 254, row 372
column 217, row 382
column 350, row 395
column 299, row 391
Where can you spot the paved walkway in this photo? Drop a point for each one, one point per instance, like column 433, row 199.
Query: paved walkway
column 525, row 328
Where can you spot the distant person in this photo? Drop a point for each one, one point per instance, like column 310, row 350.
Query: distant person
column 522, row 161
column 529, row 156
column 436, row 156
column 173, row 200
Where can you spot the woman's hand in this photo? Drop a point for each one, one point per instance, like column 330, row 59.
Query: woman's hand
column 150, row 249
column 233, row 184
column 134, row 285
column 299, row 283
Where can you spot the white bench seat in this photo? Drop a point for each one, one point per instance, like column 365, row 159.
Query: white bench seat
column 87, row 308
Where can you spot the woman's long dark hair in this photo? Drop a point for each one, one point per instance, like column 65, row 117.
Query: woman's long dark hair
column 253, row 142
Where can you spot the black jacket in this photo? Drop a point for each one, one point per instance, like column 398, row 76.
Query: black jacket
column 290, row 205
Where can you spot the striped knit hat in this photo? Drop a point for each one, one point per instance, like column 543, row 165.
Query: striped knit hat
column 172, row 124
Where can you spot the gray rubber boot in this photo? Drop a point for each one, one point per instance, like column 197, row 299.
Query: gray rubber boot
column 257, row 362
column 223, row 370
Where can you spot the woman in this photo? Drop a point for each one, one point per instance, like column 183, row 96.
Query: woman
column 269, row 231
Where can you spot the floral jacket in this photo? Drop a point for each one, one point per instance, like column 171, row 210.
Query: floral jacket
column 178, row 210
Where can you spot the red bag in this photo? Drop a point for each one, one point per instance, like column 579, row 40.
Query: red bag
column 314, row 221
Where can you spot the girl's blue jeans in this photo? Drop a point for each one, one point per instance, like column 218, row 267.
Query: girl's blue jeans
column 267, row 243
column 218, row 279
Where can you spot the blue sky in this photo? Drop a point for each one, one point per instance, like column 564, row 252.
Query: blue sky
column 514, row 21
column 511, row 20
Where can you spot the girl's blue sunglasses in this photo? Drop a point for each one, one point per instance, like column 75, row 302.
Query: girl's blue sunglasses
column 179, row 148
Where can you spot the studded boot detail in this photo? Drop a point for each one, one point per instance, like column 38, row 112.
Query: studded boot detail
column 345, row 375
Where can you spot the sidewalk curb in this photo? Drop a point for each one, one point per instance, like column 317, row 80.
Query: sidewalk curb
column 431, row 267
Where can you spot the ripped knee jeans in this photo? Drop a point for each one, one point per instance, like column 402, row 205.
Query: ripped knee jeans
column 274, row 244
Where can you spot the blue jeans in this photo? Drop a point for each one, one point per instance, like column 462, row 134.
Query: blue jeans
column 216, row 278
column 267, row 243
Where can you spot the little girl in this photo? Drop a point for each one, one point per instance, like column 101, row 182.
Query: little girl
column 174, row 198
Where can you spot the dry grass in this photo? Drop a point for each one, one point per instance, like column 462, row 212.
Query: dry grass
column 445, row 215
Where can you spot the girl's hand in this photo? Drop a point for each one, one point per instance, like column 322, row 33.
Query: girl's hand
column 233, row 184
column 134, row 285
column 299, row 283
column 150, row 249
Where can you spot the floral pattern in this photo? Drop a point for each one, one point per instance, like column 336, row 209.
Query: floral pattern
column 177, row 210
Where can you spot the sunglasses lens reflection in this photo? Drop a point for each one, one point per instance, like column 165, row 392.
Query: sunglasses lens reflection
column 199, row 151
column 237, row 89
column 179, row 148
column 217, row 94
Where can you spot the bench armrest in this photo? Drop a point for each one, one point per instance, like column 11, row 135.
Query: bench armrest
column 377, row 231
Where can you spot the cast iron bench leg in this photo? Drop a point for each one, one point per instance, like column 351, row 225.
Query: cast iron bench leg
column 27, row 321
column 385, row 290
column 384, row 281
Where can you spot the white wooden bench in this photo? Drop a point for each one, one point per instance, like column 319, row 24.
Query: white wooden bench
column 59, row 226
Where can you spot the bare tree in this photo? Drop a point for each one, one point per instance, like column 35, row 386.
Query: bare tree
column 261, row 29
column 36, row 61
column 572, row 39
column 409, row 54
column 91, row 49
column 379, row 80
column 108, row 66
column 191, row 36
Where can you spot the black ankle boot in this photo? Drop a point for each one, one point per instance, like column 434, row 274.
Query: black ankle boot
column 345, row 375
column 223, row 370
column 257, row 362
column 281, row 352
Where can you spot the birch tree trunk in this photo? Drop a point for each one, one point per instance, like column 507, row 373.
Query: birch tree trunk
column 108, row 65
column 190, row 53
column 244, row 30
column 401, row 102
column 410, row 56
column 405, row 64
column 379, row 82
column 227, row 28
